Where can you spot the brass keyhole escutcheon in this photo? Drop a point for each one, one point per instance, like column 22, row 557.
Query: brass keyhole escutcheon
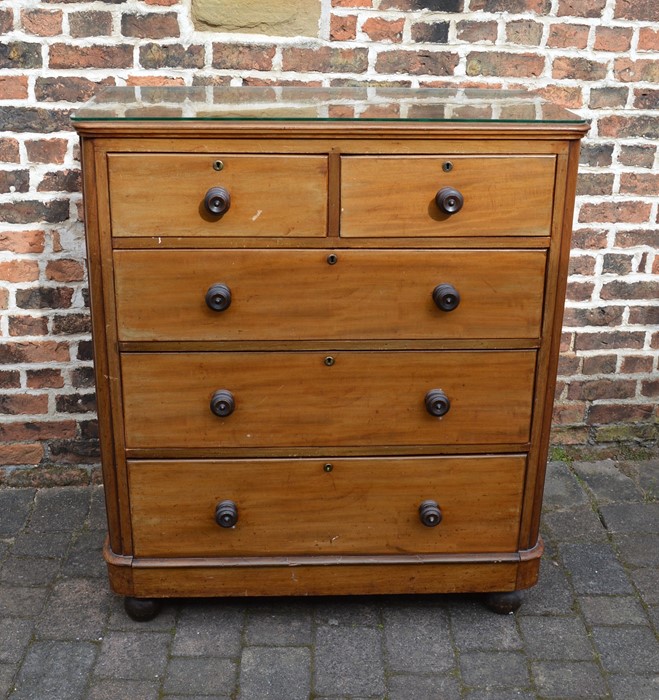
column 329, row 360
column 447, row 166
column 218, row 165
column 328, row 467
column 332, row 259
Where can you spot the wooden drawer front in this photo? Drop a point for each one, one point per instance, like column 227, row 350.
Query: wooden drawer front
column 163, row 195
column 395, row 195
column 363, row 506
column 296, row 295
column 295, row 399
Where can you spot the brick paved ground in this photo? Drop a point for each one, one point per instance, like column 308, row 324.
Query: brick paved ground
column 588, row 630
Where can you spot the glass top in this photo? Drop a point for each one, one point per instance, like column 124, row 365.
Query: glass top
column 208, row 103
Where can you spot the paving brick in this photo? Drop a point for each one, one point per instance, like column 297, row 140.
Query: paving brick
column 647, row 582
column 348, row 610
column 116, row 690
column 551, row 595
column 119, row 621
column 85, row 558
column 42, row 544
column 18, row 601
column 631, row 517
column 15, row 634
column 55, row 670
column 612, row 610
column 494, row 669
column 474, row 630
column 215, row 677
column 575, row 525
column 59, row 509
column 209, row 630
column 556, row 638
column 627, row 649
column 417, row 687
column 634, row 687
column 77, row 609
column 561, row 488
column 274, row 673
column 638, row 549
column 569, row 679
column 508, row 694
column 15, row 505
column 133, row 655
column 417, row 639
column 349, row 660
column 29, row 571
column 595, row 569
column 7, row 673
column 97, row 518
column 607, row 483
column 279, row 622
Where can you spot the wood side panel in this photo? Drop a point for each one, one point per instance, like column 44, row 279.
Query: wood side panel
column 367, row 506
column 163, row 195
column 297, row 295
column 295, row 399
column 394, row 196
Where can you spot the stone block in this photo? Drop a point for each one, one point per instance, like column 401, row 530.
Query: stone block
column 272, row 673
column 202, row 676
column 569, row 679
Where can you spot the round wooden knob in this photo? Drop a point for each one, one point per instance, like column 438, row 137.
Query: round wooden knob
column 226, row 514
column 430, row 513
column 446, row 296
column 437, row 403
column 217, row 201
column 218, row 297
column 222, row 403
column 449, row 200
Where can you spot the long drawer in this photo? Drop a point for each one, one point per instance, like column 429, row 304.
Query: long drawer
column 313, row 399
column 326, row 506
column 395, row 196
column 316, row 294
column 269, row 195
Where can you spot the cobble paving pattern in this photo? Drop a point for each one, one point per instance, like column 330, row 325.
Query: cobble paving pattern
column 587, row 630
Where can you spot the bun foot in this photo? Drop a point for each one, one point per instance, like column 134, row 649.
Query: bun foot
column 141, row 609
column 504, row 603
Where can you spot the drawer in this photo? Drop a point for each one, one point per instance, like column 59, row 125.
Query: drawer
column 314, row 399
column 395, row 196
column 270, row 195
column 295, row 506
column 297, row 295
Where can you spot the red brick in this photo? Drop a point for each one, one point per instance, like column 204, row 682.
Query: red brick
column 6, row 20
column 639, row 183
column 646, row 98
column 154, row 25
column 599, row 364
column 21, row 453
column 46, row 150
column 568, row 36
column 568, row 414
column 430, row 32
column 10, row 379
column 596, row 154
column 645, row 315
column 420, row 5
column 22, row 241
column 636, row 364
column 512, row 6
column 153, row 56
column 68, row 88
column 343, row 27
column 601, row 414
column 44, row 298
column 4, row 298
column 580, row 291
column 65, row 270
column 46, row 378
column 526, row 32
column 60, row 181
column 568, row 364
column 43, row 430
column 600, row 316
column 40, row 351
column 165, row 3
column 239, row 57
column 97, row 56
column 75, row 403
column 326, row 59
column 629, row 71
column 640, row 237
column 650, row 387
column 615, row 212
column 16, row 404
column 14, row 181
column 609, row 340
column 510, row 65
column 608, row 97
column 648, row 39
column 378, row 29
column 473, row 32
column 588, row 239
column 13, row 87
column 563, row 95
column 582, row 265
column 617, row 263
column 601, row 389
column 643, row 10
column 594, row 184
column 42, row 22
column 618, row 126
column 420, row 62
column 578, row 68
column 581, row 8
column 27, row 325
column 154, row 80
column 613, row 39
column 9, row 152
column 71, row 324
column 18, row 55
column 19, row 270
column 90, row 23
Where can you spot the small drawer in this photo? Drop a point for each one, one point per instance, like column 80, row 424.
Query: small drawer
column 314, row 399
column 326, row 506
column 315, row 294
column 172, row 195
column 405, row 196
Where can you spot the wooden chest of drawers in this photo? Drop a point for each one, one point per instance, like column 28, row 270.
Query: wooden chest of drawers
column 325, row 346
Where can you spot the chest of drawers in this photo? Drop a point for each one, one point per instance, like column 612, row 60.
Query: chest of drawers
column 326, row 329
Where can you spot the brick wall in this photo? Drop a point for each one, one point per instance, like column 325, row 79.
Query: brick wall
column 598, row 57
